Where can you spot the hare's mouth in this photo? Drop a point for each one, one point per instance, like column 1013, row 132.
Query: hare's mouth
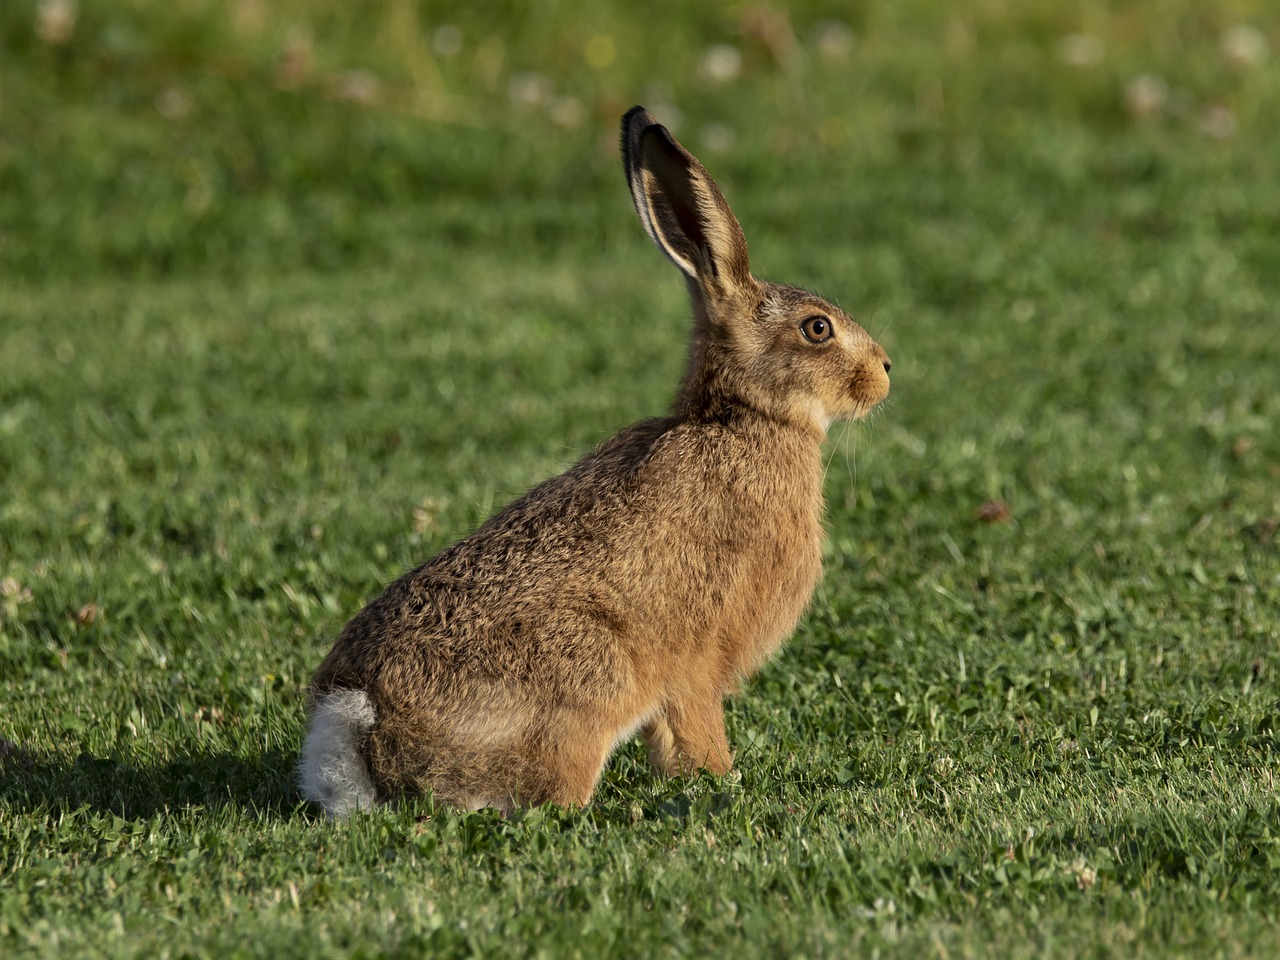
column 864, row 401
column 867, row 390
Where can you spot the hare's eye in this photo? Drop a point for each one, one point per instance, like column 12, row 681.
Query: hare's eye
column 817, row 329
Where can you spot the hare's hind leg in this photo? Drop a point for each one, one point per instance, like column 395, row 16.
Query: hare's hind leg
column 332, row 770
column 564, row 766
column 549, row 761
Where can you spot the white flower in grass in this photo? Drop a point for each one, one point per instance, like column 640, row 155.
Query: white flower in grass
column 529, row 89
column 1244, row 45
column 12, row 590
column 357, row 86
column 55, row 21
column 1219, row 123
column 1086, row 876
column 833, row 40
column 566, row 112
column 1146, row 95
column 720, row 64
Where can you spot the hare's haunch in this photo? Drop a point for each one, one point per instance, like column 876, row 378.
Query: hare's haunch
column 633, row 591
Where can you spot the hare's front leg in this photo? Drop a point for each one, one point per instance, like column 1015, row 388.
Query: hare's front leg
column 689, row 735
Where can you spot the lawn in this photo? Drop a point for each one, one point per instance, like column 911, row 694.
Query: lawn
column 294, row 294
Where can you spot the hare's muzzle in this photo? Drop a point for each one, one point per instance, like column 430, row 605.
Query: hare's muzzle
column 871, row 385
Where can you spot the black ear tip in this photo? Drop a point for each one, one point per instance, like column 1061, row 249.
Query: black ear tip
column 637, row 117
column 634, row 123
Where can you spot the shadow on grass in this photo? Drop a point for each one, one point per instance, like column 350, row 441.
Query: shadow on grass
column 137, row 790
column 134, row 789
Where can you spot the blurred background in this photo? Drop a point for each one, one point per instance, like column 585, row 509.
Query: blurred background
column 237, row 136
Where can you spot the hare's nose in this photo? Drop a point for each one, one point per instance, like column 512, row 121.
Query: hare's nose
column 887, row 365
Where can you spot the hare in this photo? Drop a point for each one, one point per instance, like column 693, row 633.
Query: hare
column 632, row 592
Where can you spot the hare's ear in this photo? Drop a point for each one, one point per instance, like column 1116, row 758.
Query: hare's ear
column 682, row 209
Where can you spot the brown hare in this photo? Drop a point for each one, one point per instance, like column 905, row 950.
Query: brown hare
column 630, row 593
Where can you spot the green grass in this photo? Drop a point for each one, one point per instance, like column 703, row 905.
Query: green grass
column 268, row 337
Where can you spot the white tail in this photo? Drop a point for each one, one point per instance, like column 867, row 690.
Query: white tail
column 332, row 772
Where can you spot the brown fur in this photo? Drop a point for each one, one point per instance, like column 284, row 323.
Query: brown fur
column 633, row 591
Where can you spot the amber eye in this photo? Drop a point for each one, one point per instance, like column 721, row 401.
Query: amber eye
column 817, row 329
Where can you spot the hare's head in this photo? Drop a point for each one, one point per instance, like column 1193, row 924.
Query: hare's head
column 780, row 350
